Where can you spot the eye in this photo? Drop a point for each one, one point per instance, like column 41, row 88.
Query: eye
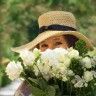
column 58, row 43
column 44, row 45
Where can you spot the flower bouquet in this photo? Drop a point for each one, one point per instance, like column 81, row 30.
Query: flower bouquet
column 57, row 72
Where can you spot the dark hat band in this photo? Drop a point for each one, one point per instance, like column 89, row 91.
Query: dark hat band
column 56, row 27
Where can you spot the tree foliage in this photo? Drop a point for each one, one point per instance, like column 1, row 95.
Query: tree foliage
column 19, row 25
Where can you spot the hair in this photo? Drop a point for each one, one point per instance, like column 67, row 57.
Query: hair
column 71, row 40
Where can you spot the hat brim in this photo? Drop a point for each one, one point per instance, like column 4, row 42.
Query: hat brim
column 45, row 35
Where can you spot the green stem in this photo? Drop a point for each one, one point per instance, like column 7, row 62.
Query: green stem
column 27, row 80
column 70, row 88
column 61, row 87
column 39, row 70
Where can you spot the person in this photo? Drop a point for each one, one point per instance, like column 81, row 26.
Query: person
column 57, row 29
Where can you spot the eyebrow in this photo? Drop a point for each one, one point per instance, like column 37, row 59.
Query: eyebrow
column 42, row 42
column 56, row 38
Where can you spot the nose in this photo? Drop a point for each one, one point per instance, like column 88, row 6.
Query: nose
column 51, row 46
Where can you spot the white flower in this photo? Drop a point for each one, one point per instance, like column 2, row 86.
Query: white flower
column 87, row 62
column 14, row 70
column 77, row 78
column 95, row 84
column 38, row 65
column 88, row 76
column 67, row 61
column 79, row 84
column 61, row 56
column 43, row 68
column 61, row 68
column 70, row 73
column 57, row 60
column 36, row 71
column 73, row 53
column 36, row 52
column 64, row 78
column 49, row 57
column 60, row 51
column 85, row 84
column 92, row 53
column 93, row 61
column 27, row 57
column 94, row 73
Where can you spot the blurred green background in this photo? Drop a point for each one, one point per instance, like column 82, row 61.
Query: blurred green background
column 19, row 25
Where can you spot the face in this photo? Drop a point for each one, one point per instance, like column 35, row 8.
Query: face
column 53, row 42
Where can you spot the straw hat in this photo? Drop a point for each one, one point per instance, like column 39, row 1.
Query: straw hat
column 55, row 23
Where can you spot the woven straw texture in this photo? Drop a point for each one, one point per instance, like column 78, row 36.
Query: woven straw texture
column 50, row 18
column 57, row 17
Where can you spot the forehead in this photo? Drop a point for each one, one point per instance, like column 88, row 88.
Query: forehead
column 54, row 38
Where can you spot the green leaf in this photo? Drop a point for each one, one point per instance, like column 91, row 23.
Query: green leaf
column 72, row 2
column 81, row 47
column 1, row 28
column 1, row 79
column 37, row 92
column 42, row 83
column 76, row 67
column 2, row 2
column 4, row 80
column 50, row 91
column 34, row 82
column 49, row 2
